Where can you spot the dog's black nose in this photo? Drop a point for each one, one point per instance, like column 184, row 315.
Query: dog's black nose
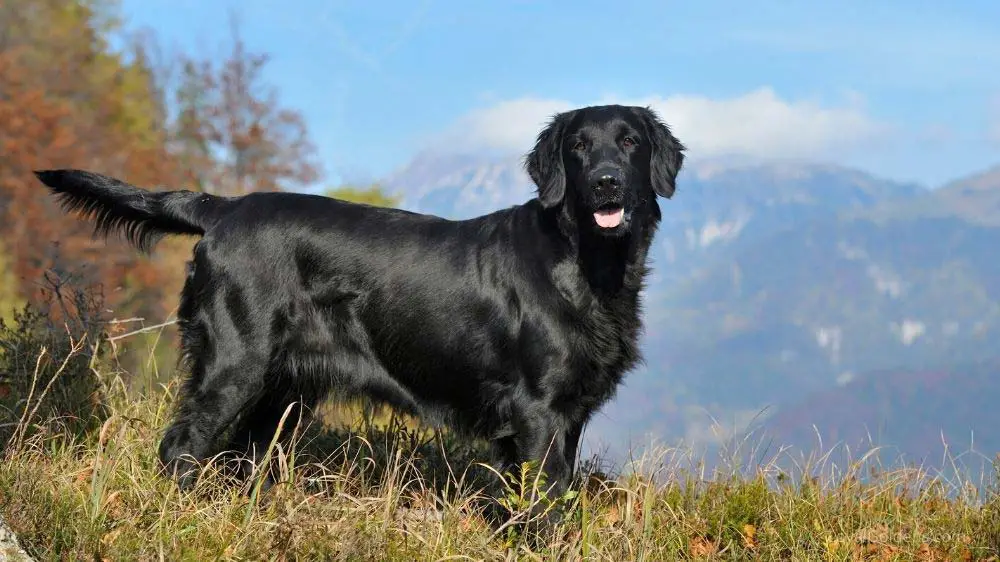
column 607, row 179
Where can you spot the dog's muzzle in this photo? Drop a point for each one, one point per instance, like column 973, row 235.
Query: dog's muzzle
column 607, row 185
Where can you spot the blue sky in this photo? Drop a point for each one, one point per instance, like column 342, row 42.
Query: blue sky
column 909, row 90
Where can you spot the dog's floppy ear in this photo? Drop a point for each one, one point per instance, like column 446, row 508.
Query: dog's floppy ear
column 667, row 154
column 545, row 164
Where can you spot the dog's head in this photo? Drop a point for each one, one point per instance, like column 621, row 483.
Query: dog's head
column 606, row 165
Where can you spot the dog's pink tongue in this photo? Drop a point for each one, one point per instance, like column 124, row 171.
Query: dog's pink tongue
column 609, row 219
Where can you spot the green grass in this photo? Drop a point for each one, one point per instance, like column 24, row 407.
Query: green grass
column 382, row 489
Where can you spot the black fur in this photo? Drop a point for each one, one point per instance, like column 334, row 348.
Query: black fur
column 142, row 216
column 515, row 326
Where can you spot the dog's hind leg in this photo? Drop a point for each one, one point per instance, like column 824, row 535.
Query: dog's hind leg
column 261, row 424
column 219, row 389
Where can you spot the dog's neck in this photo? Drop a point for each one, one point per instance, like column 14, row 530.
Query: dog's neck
column 612, row 266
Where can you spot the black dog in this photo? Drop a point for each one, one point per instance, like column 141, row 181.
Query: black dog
column 515, row 326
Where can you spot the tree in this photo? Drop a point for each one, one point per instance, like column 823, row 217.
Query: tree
column 67, row 99
column 231, row 132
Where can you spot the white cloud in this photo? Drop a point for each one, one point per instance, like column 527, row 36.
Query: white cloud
column 758, row 124
column 507, row 126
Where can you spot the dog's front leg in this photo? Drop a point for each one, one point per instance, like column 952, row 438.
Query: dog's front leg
column 542, row 438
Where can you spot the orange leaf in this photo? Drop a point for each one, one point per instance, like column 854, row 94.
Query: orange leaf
column 700, row 547
column 749, row 533
column 614, row 515
column 927, row 553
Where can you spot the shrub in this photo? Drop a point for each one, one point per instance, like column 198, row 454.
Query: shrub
column 48, row 353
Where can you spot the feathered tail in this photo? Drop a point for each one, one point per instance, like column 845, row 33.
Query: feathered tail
column 143, row 217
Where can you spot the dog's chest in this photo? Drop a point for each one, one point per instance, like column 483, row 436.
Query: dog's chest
column 607, row 336
column 602, row 349
column 605, row 328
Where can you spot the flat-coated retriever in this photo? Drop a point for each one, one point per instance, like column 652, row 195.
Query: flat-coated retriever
column 515, row 326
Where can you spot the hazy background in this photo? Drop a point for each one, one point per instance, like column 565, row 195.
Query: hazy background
column 826, row 270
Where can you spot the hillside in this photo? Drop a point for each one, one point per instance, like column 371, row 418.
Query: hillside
column 919, row 415
column 90, row 488
column 975, row 198
column 845, row 297
column 391, row 496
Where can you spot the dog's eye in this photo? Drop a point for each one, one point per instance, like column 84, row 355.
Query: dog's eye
column 629, row 142
column 579, row 145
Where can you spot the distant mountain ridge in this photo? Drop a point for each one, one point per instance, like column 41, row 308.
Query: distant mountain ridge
column 918, row 415
column 458, row 186
column 777, row 281
column 974, row 198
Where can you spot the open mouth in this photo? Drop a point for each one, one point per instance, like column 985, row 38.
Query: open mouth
column 609, row 215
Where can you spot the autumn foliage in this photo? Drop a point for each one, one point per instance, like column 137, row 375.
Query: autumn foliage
column 68, row 99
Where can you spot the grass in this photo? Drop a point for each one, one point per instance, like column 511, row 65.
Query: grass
column 381, row 488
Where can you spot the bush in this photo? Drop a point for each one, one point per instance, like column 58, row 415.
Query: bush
column 48, row 354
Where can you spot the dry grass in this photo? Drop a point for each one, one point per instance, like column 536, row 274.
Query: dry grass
column 389, row 491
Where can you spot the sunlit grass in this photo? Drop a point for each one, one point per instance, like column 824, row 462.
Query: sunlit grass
column 373, row 487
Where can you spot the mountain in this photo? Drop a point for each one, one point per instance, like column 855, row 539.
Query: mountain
column 809, row 308
column 975, row 198
column 918, row 415
column 778, row 282
column 460, row 186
